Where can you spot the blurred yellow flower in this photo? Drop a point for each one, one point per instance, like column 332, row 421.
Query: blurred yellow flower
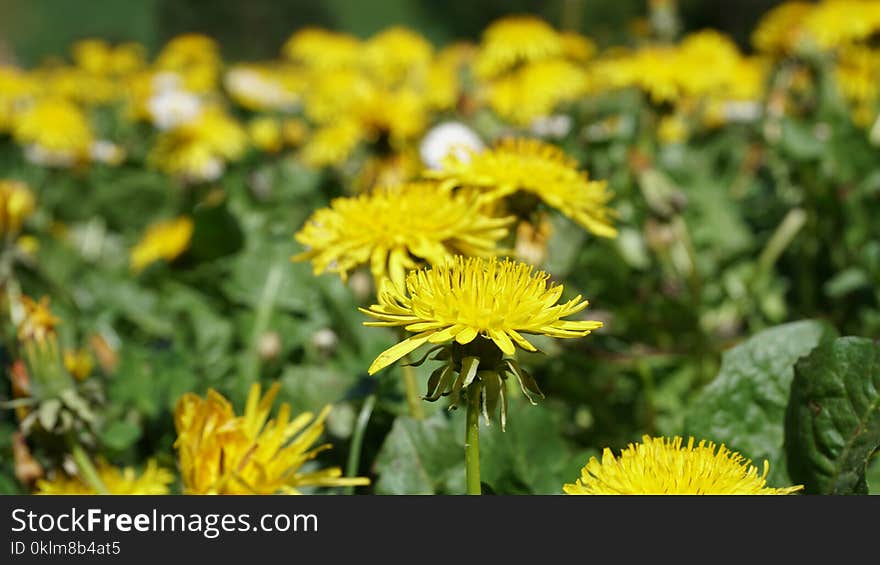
column 332, row 144
column 79, row 363
column 221, row 453
column 264, row 88
column 16, row 204
column 666, row 466
column 322, row 49
column 38, row 323
column 198, row 150
column 779, row 30
column 265, row 134
column 533, row 167
column 395, row 54
column 164, row 240
column 153, row 480
column 194, row 57
column 461, row 299
column 536, row 89
column 513, row 40
column 54, row 132
column 836, row 23
column 398, row 228
column 99, row 57
column 16, row 89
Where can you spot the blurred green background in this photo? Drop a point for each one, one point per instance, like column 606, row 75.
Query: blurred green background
column 31, row 30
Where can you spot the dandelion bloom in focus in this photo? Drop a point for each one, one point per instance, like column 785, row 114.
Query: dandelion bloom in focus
column 153, row 480
column 667, row 466
column 533, row 167
column 221, row 453
column 468, row 297
column 398, row 228
column 164, row 240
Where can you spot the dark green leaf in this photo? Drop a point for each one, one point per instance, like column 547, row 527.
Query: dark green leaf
column 744, row 407
column 833, row 420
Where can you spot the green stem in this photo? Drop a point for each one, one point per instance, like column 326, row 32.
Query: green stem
column 357, row 439
column 86, row 470
column 413, row 400
column 251, row 371
column 472, row 441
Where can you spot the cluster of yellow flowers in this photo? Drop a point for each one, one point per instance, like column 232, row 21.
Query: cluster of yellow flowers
column 839, row 29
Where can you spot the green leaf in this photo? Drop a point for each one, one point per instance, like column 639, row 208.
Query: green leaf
column 744, row 407
column 832, row 424
column 120, row 435
column 422, row 456
column 532, row 456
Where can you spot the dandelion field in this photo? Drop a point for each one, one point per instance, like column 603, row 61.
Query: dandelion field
column 532, row 263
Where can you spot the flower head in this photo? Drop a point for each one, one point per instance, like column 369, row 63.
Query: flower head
column 513, row 40
column 153, row 480
column 221, row 453
column 16, row 204
column 666, row 466
column 38, row 323
column 163, row 240
column 198, row 150
column 398, row 228
column 538, row 168
column 462, row 299
column 54, row 132
column 322, row 49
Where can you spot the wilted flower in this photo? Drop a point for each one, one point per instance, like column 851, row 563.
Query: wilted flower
column 665, row 466
column 221, row 453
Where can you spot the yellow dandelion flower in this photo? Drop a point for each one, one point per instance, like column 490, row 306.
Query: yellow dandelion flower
column 265, row 133
column 164, row 240
column 153, row 480
column 856, row 71
column 79, row 363
column 264, row 88
column 666, row 466
column 38, row 323
column 332, row 144
column 534, row 167
column 221, row 453
column 835, row 23
column 398, row 228
column 16, row 204
column 195, row 57
column 54, row 132
column 198, row 150
column 337, row 93
column 459, row 300
column 779, row 30
column 672, row 129
column 535, row 90
column 99, row 57
column 322, row 49
column 514, row 40
column 16, row 89
column 577, row 47
column 400, row 115
column 395, row 54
